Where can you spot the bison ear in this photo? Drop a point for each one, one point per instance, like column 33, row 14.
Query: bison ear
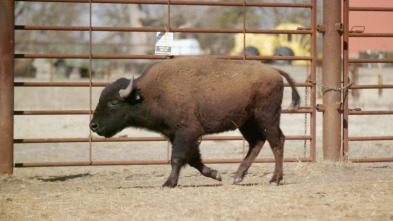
column 124, row 93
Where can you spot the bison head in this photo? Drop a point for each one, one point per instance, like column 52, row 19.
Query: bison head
column 114, row 110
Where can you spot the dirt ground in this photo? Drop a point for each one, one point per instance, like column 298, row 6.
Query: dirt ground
column 310, row 191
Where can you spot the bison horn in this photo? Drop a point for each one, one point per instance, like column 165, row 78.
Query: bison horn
column 124, row 93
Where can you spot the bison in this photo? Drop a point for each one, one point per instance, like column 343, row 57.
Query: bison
column 186, row 98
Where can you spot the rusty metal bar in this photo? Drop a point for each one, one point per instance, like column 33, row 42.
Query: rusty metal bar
column 148, row 162
column 370, row 138
column 98, row 84
column 52, row 112
column 381, row 9
column 373, row 35
column 6, row 86
column 358, row 60
column 137, row 139
column 183, row 2
column 371, row 160
column 345, row 134
column 372, row 86
column 90, row 81
column 313, row 78
column 84, row 112
column 158, row 29
column 331, row 70
column 355, row 112
column 60, row 84
column 126, row 56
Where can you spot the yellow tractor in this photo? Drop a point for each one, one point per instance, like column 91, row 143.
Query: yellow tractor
column 275, row 44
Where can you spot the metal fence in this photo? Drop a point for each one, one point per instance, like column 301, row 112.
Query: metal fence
column 309, row 110
column 348, row 33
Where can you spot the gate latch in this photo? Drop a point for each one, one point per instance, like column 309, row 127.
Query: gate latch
column 357, row 29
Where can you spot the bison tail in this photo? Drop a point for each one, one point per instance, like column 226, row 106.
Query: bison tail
column 295, row 95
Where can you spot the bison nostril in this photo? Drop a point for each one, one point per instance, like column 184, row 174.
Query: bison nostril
column 93, row 127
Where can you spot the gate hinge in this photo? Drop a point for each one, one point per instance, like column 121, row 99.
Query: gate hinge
column 339, row 27
column 320, row 107
column 321, row 28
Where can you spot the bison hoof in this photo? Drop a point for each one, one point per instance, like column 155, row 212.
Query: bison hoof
column 274, row 184
column 218, row 177
column 166, row 187
column 237, row 181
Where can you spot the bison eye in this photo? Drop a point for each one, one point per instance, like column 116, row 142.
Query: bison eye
column 113, row 103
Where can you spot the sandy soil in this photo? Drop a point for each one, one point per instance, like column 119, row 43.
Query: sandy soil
column 310, row 191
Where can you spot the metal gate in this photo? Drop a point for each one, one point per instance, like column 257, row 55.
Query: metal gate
column 309, row 111
column 348, row 34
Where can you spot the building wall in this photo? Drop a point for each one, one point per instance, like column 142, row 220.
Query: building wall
column 374, row 22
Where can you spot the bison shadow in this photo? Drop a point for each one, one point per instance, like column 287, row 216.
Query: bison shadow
column 63, row 178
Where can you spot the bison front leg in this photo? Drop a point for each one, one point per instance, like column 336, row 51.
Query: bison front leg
column 196, row 162
column 182, row 145
column 176, row 163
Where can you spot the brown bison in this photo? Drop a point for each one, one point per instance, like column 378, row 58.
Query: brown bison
column 186, row 98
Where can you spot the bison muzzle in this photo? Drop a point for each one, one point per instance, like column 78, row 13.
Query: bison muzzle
column 186, row 98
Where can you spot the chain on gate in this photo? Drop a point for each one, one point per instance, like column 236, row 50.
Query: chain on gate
column 306, row 89
column 328, row 88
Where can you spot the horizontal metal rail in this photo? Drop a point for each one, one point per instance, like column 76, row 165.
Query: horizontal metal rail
column 99, row 84
column 148, row 162
column 127, row 56
column 381, row 9
column 84, row 112
column 159, row 29
column 371, row 35
column 371, row 86
column 135, row 139
column 356, row 112
column 363, row 60
column 371, row 160
column 60, row 84
column 370, row 138
column 185, row 2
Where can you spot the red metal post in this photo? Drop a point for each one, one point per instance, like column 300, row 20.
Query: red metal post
column 345, row 79
column 6, row 85
column 331, row 69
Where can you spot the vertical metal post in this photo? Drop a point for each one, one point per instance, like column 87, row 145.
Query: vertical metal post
column 6, row 86
column 331, row 68
column 313, row 78
column 345, row 79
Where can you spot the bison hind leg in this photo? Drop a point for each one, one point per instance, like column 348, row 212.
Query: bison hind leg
column 271, row 125
column 255, row 138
